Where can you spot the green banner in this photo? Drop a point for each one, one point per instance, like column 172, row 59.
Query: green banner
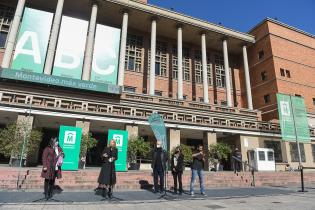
column 70, row 48
column 31, row 47
column 121, row 138
column 105, row 55
column 70, row 142
column 158, row 128
column 293, row 118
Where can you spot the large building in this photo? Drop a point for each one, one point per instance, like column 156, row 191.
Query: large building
column 89, row 64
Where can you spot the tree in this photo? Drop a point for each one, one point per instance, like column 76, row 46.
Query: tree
column 87, row 142
column 137, row 147
column 219, row 152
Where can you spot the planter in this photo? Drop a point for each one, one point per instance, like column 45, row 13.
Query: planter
column 134, row 166
column 15, row 162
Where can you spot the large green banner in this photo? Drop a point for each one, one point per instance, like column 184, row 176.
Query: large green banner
column 70, row 48
column 293, row 118
column 121, row 138
column 70, row 142
column 105, row 55
column 32, row 41
column 158, row 128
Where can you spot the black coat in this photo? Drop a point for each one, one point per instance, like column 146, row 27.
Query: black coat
column 108, row 173
column 164, row 158
column 179, row 168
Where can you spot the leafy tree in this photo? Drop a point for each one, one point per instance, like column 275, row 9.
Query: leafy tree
column 137, row 147
column 219, row 151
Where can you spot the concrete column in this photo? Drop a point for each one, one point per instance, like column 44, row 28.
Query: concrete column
column 204, row 68
column 122, row 55
column 208, row 139
column 308, row 155
column 53, row 38
column 88, row 55
column 180, row 63
column 173, row 138
column 152, row 58
column 133, row 130
column 227, row 74
column 8, row 53
column 85, row 125
column 247, row 79
column 248, row 143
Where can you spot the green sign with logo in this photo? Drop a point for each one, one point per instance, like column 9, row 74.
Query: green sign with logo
column 121, row 138
column 31, row 47
column 293, row 118
column 70, row 142
column 105, row 55
column 70, row 48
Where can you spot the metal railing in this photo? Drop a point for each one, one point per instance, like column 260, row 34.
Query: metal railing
column 252, row 168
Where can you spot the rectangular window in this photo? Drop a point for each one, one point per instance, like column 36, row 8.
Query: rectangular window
column 160, row 59
column 158, row 93
column 276, row 146
column 185, row 65
column 270, row 156
column 198, row 68
column 314, row 101
column 313, row 152
column 267, row 98
column 263, row 76
column 219, row 71
column 298, row 95
column 261, row 155
column 294, row 152
column 223, row 103
column 282, row 72
column 201, row 99
column 261, row 54
column 133, row 58
column 288, row 74
column 130, row 89
column 6, row 17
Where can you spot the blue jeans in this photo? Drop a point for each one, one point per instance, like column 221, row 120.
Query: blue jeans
column 194, row 174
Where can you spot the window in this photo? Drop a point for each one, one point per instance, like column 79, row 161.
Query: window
column 261, row 155
column 198, row 68
column 294, row 152
column 160, row 59
column 276, row 146
column 133, row 59
column 219, row 71
column 263, row 76
column 201, row 99
column 261, row 54
column 287, row 72
column 158, row 93
column 6, row 17
column 313, row 101
column 270, row 156
column 130, row 89
column 298, row 95
column 313, row 152
column 282, row 72
column 185, row 65
column 223, row 103
column 267, row 98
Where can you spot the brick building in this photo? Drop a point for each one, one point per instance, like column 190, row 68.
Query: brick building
column 204, row 83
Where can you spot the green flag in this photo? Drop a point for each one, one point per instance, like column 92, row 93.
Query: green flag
column 158, row 128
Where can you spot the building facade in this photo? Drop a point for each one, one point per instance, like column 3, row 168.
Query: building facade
column 203, row 82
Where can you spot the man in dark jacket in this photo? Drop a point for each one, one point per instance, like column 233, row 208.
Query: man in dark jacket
column 237, row 163
column 159, row 159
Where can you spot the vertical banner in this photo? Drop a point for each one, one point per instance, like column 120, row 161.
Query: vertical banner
column 32, row 42
column 300, row 117
column 121, row 138
column 70, row 48
column 158, row 128
column 106, row 55
column 70, row 142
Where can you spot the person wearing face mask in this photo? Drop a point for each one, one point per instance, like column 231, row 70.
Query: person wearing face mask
column 197, row 169
column 52, row 160
column 107, row 177
column 177, row 166
column 159, row 159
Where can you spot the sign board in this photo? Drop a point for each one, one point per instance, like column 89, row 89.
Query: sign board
column 158, row 128
column 293, row 118
column 70, row 142
column 121, row 138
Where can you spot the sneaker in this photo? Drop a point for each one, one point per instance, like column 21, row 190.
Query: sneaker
column 192, row 193
column 204, row 194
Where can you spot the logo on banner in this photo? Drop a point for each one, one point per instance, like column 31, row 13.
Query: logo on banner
column 70, row 137
column 118, row 139
column 285, row 108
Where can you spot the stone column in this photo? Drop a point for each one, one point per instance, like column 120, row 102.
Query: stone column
column 133, row 130
column 53, row 38
column 85, row 125
column 122, row 55
column 204, row 68
column 247, row 79
column 8, row 53
column 88, row 55
column 227, row 74
column 208, row 139
column 173, row 138
column 180, row 62
column 152, row 58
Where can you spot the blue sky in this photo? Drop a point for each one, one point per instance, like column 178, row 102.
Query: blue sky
column 242, row 15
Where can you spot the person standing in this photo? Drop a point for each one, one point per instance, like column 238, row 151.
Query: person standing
column 177, row 166
column 52, row 160
column 107, row 176
column 237, row 163
column 159, row 159
column 197, row 169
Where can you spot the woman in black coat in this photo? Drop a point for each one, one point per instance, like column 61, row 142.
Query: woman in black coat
column 107, row 177
column 177, row 166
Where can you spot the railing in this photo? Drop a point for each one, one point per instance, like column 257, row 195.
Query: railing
column 250, row 166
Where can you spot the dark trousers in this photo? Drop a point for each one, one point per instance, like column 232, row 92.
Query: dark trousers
column 49, row 187
column 158, row 173
column 237, row 166
column 178, row 177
